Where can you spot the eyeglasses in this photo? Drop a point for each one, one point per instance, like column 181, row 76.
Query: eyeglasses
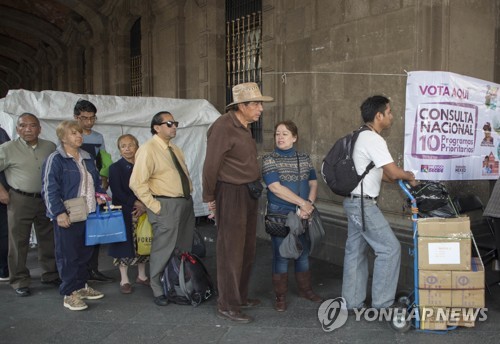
column 170, row 124
column 91, row 119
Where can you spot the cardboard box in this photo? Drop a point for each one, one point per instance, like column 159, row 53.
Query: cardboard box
column 447, row 279
column 439, row 318
column 462, row 317
column 434, row 298
column 468, row 298
column 433, row 325
column 461, row 323
column 429, row 321
column 439, row 227
column 430, row 279
column 473, row 279
column 444, row 253
column 465, row 298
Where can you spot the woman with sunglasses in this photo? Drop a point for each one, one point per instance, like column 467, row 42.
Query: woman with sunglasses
column 292, row 186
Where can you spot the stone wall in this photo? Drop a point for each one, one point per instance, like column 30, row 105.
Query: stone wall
column 321, row 59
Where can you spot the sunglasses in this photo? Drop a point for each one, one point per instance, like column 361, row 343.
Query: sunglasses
column 170, row 124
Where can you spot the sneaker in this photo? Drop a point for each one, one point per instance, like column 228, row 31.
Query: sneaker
column 89, row 293
column 74, row 302
column 4, row 279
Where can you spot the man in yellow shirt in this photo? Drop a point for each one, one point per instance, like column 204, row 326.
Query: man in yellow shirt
column 160, row 180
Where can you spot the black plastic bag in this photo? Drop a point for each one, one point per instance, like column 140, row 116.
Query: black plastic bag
column 199, row 247
column 433, row 200
column 430, row 196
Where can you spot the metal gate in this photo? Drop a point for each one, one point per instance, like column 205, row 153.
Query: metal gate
column 244, row 48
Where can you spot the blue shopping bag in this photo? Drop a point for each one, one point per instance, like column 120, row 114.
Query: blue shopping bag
column 105, row 227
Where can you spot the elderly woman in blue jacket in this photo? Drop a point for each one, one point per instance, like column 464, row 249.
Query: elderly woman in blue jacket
column 70, row 172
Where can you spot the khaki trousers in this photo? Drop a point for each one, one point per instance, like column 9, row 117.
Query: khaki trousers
column 22, row 213
column 172, row 227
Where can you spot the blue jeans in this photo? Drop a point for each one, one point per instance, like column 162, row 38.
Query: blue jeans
column 379, row 236
column 280, row 264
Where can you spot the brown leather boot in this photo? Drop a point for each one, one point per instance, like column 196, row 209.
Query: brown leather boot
column 305, row 288
column 280, row 283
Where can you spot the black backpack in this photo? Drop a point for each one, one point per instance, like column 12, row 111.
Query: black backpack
column 338, row 168
column 186, row 280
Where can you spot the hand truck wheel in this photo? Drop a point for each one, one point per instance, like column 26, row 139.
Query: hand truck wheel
column 403, row 298
column 399, row 321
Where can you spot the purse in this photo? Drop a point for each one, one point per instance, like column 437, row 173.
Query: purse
column 255, row 189
column 275, row 225
column 144, row 235
column 77, row 209
column 105, row 227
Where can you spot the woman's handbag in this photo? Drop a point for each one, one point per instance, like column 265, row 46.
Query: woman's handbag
column 144, row 235
column 105, row 227
column 275, row 225
column 77, row 209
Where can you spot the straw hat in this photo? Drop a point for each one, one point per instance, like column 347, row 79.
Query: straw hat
column 248, row 92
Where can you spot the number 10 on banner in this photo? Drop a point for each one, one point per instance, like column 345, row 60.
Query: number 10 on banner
column 429, row 143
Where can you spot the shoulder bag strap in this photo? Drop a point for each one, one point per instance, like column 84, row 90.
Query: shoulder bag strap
column 182, row 280
column 298, row 168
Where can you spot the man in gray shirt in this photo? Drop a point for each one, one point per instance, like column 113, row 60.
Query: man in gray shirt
column 22, row 160
column 4, row 231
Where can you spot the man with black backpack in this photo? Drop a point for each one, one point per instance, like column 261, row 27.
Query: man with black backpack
column 369, row 227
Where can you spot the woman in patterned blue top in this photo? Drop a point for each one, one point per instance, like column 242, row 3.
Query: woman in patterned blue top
column 292, row 186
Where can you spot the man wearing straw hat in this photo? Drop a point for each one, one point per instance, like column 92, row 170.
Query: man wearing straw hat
column 230, row 165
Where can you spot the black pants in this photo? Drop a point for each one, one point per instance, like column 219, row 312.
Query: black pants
column 94, row 260
column 4, row 241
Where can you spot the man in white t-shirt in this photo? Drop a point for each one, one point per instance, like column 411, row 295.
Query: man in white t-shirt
column 370, row 146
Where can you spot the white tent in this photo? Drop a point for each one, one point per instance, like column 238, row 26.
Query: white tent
column 117, row 116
